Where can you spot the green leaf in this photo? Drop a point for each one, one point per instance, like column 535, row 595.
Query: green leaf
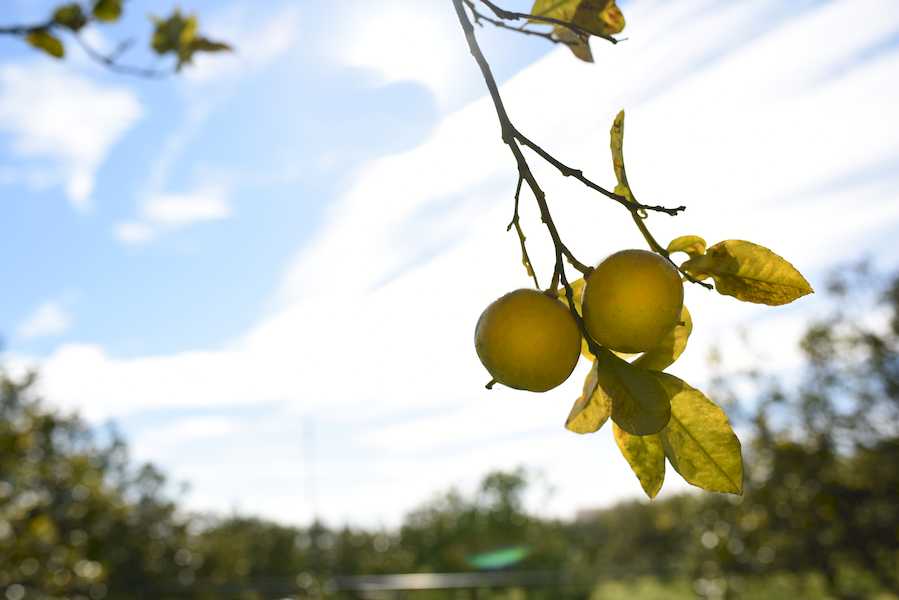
column 70, row 16
column 592, row 409
column 750, row 273
column 645, row 455
column 579, row 46
column 176, row 34
column 599, row 17
column 562, row 10
column 699, row 441
column 107, row 10
column 203, row 44
column 640, row 404
column 47, row 42
column 668, row 351
column 690, row 244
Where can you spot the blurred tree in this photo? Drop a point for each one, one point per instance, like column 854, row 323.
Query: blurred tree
column 76, row 520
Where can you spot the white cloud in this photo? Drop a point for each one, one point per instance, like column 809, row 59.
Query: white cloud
column 133, row 232
column 372, row 336
column 49, row 319
column 403, row 41
column 179, row 210
column 58, row 116
column 166, row 212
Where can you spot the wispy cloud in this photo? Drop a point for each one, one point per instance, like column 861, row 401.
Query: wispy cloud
column 73, row 132
column 166, row 212
column 48, row 320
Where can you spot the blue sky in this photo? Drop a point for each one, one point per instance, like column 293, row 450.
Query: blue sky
column 267, row 270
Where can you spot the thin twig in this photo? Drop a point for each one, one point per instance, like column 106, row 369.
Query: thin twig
column 521, row 238
column 109, row 61
column 579, row 175
column 479, row 16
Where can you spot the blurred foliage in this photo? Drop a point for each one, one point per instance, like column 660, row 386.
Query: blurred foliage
column 819, row 518
column 176, row 35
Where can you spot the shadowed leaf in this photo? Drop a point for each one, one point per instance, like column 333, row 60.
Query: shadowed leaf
column 640, row 405
column 699, row 441
column 645, row 455
column 579, row 46
column 592, row 409
column 749, row 272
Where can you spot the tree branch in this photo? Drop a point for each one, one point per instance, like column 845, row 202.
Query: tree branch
column 109, row 61
column 509, row 15
column 479, row 16
column 524, row 170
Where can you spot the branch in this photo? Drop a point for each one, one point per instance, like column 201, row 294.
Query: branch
column 109, row 61
column 524, row 171
column 509, row 15
column 23, row 30
column 479, row 16
column 579, row 175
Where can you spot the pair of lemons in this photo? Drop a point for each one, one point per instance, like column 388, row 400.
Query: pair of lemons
column 529, row 340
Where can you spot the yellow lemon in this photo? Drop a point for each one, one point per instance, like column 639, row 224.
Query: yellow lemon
column 528, row 341
column 632, row 300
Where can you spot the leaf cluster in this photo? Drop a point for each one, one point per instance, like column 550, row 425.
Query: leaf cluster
column 657, row 416
column 177, row 35
column 579, row 19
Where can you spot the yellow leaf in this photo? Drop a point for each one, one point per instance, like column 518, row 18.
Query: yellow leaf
column 617, row 145
column 70, row 16
column 640, row 404
column 107, row 10
column 749, row 272
column 592, row 409
column 576, row 43
column 599, row 17
column 674, row 344
column 47, row 42
column 699, row 441
column 690, row 244
column 645, row 455
column 563, row 10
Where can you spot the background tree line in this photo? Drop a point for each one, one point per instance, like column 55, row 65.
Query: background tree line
column 820, row 516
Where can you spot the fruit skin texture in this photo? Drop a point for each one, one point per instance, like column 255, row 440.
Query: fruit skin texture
column 632, row 300
column 528, row 341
